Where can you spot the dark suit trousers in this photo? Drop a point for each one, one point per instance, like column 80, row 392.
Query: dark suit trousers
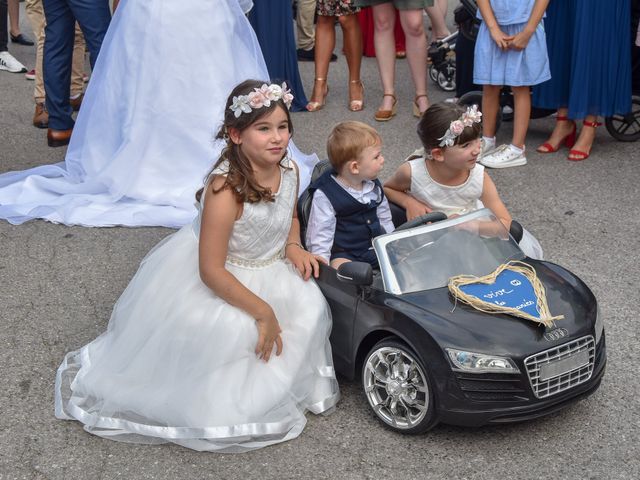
column 4, row 36
column 61, row 15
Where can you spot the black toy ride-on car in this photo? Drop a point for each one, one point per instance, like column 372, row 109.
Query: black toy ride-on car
column 424, row 358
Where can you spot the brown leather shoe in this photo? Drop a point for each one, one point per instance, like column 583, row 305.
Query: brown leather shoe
column 76, row 102
column 41, row 116
column 58, row 138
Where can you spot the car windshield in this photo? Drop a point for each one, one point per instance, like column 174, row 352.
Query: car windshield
column 425, row 257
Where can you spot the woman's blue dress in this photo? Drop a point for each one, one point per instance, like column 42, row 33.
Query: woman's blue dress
column 272, row 21
column 589, row 52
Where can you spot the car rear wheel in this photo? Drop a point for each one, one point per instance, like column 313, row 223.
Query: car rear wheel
column 397, row 386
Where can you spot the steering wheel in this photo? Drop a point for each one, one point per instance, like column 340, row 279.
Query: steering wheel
column 423, row 220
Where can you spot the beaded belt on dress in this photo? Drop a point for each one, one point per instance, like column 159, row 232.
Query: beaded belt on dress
column 258, row 263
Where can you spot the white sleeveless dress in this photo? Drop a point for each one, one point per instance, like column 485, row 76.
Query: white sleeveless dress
column 144, row 138
column 459, row 199
column 177, row 363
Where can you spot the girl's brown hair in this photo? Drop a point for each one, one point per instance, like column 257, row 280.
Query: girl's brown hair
column 240, row 178
column 436, row 120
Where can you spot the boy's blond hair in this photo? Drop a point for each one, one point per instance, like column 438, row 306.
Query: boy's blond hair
column 347, row 140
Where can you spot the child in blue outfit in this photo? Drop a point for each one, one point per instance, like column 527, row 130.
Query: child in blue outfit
column 511, row 50
column 349, row 208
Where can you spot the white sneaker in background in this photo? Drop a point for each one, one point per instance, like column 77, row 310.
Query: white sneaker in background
column 10, row 64
column 504, row 156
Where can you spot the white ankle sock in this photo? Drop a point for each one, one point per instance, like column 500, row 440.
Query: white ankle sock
column 517, row 150
column 489, row 141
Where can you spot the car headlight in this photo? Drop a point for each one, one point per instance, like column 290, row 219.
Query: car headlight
column 599, row 327
column 480, row 362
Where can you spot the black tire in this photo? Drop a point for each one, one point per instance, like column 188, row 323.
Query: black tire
column 626, row 128
column 405, row 403
column 447, row 79
column 433, row 73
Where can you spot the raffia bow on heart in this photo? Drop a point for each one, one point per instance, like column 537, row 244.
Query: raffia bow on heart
column 545, row 318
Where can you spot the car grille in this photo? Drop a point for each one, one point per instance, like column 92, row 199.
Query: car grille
column 560, row 383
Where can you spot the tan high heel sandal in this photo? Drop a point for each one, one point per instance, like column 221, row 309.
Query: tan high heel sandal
column 416, row 110
column 357, row 105
column 385, row 115
column 315, row 106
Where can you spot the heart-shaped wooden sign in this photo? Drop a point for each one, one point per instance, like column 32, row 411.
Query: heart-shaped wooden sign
column 513, row 288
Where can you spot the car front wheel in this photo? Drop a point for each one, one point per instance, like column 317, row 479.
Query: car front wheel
column 397, row 386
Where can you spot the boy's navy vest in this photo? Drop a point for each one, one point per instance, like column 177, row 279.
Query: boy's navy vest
column 356, row 223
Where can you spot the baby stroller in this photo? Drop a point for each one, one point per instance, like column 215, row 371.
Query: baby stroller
column 626, row 128
column 442, row 70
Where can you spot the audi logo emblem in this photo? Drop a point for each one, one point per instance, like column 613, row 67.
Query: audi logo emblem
column 556, row 334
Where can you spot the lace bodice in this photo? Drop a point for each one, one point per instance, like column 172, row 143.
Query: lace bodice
column 259, row 235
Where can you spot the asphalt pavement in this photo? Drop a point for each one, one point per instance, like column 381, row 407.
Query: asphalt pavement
column 58, row 285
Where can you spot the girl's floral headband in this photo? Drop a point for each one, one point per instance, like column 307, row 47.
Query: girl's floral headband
column 261, row 97
column 468, row 118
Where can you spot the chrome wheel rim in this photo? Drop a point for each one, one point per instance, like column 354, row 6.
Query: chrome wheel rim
column 396, row 387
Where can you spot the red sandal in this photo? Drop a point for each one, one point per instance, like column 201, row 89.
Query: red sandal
column 569, row 140
column 579, row 155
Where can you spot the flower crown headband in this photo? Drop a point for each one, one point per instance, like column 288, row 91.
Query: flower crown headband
column 468, row 118
column 261, row 97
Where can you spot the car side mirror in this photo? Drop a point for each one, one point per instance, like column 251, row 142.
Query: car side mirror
column 356, row 273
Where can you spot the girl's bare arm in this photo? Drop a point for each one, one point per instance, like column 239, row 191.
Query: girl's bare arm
column 521, row 40
column 498, row 36
column 220, row 212
column 395, row 189
column 492, row 201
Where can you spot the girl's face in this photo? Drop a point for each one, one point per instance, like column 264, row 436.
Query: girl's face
column 265, row 141
column 463, row 156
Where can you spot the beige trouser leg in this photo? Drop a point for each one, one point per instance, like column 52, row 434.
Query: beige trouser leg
column 35, row 13
column 304, row 20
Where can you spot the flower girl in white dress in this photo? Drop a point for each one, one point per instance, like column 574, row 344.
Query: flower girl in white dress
column 220, row 342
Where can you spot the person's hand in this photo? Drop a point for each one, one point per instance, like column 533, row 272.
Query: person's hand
column 268, row 335
column 415, row 208
column 502, row 39
column 305, row 262
column 520, row 40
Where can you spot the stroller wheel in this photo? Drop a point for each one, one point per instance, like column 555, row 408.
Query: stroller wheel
column 447, row 77
column 433, row 73
column 446, row 83
column 626, row 128
column 475, row 98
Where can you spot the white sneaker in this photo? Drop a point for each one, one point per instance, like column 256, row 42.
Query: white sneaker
column 502, row 157
column 10, row 64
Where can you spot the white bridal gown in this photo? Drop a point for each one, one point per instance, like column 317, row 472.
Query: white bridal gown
column 177, row 363
column 144, row 138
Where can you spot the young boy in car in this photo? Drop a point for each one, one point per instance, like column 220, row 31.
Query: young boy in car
column 349, row 208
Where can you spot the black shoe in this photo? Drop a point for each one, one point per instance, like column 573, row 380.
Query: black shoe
column 308, row 55
column 21, row 40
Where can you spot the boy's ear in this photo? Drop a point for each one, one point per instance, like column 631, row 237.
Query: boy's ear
column 353, row 167
column 437, row 154
column 234, row 135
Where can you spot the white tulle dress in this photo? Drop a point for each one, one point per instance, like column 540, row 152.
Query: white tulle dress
column 177, row 363
column 144, row 138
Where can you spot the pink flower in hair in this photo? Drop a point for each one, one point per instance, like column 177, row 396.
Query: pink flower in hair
column 456, row 127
